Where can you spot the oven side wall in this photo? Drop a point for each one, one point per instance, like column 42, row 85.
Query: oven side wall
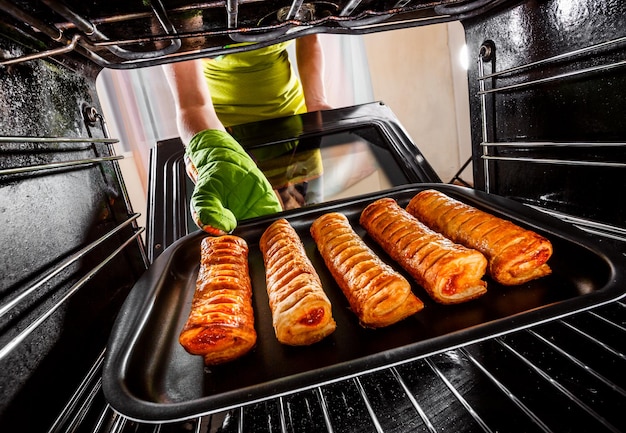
column 555, row 133
column 60, row 193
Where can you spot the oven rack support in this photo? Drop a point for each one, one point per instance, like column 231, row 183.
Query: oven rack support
column 8, row 306
column 125, row 235
column 489, row 142
column 91, row 117
column 68, row 144
column 58, row 165
column 81, row 34
column 28, row 330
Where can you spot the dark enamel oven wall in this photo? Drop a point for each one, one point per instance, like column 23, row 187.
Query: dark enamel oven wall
column 553, row 106
column 60, row 195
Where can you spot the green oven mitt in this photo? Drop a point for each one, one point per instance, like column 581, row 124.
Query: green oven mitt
column 229, row 186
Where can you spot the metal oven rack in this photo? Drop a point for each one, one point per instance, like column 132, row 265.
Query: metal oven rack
column 564, row 375
column 488, row 141
column 125, row 36
column 34, row 309
column 567, row 67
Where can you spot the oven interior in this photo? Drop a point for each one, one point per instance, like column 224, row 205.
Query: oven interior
column 547, row 131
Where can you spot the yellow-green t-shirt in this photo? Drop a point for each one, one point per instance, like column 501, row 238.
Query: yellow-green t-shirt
column 254, row 85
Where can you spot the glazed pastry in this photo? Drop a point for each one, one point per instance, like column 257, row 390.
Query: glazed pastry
column 220, row 326
column 515, row 255
column 377, row 294
column 450, row 273
column 301, row 311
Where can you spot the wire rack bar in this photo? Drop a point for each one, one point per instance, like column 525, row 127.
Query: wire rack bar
column 55, row 140
column 556, row 161
column 577, row 73
column 507, row 392
column 368, row 405
column 559, row 57
column 429, row 425
column 594, row 340
column 58, row 165
column 577, row 362
column 562, row 389
column 8, row 348
column 82, row 399
column 324, row 405
column 458, row 396
column 601, row 229
column 547, row 144
column 608, row 322
column 4, row 309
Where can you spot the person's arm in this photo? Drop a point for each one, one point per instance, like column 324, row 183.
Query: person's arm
column 228, row 185
column 310, row 59
column 194, row 108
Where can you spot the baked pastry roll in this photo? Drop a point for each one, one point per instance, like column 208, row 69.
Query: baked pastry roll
column 377, row 294
column 450, row 273
column 301, row 311
column 515, row 255
column 220, row 326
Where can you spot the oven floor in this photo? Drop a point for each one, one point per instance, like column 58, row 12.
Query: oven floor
column 562, row 376
column 565, row 375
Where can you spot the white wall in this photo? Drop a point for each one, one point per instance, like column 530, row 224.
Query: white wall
column 418, row 74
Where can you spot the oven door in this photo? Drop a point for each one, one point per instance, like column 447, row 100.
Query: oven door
column 365, row 155
column 310, row 159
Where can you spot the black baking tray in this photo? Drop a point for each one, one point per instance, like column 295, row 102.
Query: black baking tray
column 149, row 377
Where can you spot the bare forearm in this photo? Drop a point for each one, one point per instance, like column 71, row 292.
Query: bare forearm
column 194, row 108
column 192, row 120
column 310, row 58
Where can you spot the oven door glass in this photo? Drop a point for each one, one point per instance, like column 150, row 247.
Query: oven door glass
column 324, row 168
column 309, row 159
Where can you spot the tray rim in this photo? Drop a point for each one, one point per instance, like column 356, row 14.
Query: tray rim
column 116, row 359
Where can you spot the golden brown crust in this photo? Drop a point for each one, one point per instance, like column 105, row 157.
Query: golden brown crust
column 220, row 326
column 515, row 255
column 301, row 311
column 377, row 294
column 450, row 273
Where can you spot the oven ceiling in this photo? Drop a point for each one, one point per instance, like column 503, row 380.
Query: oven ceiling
column 127, row 34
